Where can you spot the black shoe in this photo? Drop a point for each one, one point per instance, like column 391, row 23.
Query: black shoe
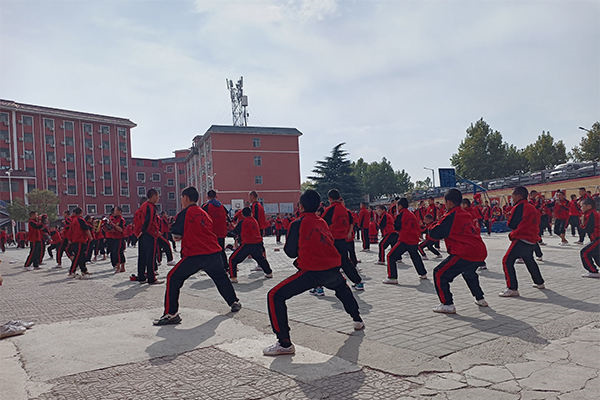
column 236, row 306
column 167, row 320
column 155, row 282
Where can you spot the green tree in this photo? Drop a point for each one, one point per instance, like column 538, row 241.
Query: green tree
column 544, row 153
column 589, row 147
column 335, row 172
column 308, row 184
column 424, row 184
column 44, row 202
column 18, row 211
column 378, row 179
column 484, row 155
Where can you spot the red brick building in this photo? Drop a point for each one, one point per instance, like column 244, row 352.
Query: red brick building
column 84, row 158
column 234, row 160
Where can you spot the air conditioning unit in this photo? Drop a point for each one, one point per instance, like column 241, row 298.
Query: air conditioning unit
column 64, row 160
column 90, row 147
column 64, row 175
column 22, row 156
column 66, row 192
column 53, row 178
column 53, row 162
column 90, row 133
column 99, row 146
column 63, row 143
column 7, row 141
column 100, row 162
column 92, row 180
column 21, row 139
column 101, row 178
column 62, row 126
column 91, row 164
column 52, row 146
column 51, row 129
column 99, row 130
column 125, row 166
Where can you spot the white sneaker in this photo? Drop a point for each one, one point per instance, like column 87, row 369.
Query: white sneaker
column 579, row 243
column 564, row 243
column 509, row 293
column 541, row 259
column 445, row 309
column 172, row 263
column 233, row 280
column 520, row 261
column 268, row 276
column 257, row 268
column 591, row 275
column 542, row 243
column 481, row 303
column 424, row 257
column 73, row 275
column 438, row 256
column 380, row 263
column 423, row 276
column 540, row 286
column 390, row 281
column 278, row 350
column 359, row 325
column 482, row 268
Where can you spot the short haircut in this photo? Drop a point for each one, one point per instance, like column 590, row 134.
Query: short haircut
column 573, row 196
column 453, row 195
column 211, row 194
column 466, row 202
column 382, row 207
column 582, row 188
column 119, row 209
column 430, row 198
column 310, row 200
column 77, row 211
column 191, row 193
column 334, row 194
column 396, row 198
column 403, row 202
column 521, row 191
column 589, row 202
column 246, row 211
column 151, row 192
column 253, row 193
column 429, row 216
column 32, row 213
column 533, row 192
column 364, row 203
column 66, row 212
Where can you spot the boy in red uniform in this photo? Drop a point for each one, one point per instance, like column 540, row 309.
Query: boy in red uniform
column 55, row 242
column 409, row 232
column 389, row 235
column 219, row 215
column 311, row 243
column 146, row 228
column 364, row 219
column 79, row 236
column 162, row 241
column 591, row 226
column 429, row 242
column 258, row 212
column 116, row 229
column 524, row 222
column 561, row 215
column 199, row 250
column 486, row 213
column 35, row 239
column 251, row 244
column 3, row 239
column 466, row 252
column 574, row 216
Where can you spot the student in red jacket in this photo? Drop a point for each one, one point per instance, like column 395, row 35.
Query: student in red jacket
column 339, row 220
column 251, row 245
column 486, row 213
column 146, row 228
column 220, row 216
column 466, row 252
column 258, row 212
column 3, row 240
column 364, row 219
column 278, row 228
column 574, row 216
column 590, row 254
column 116, row 233
column 389, row 235
column 35, row 239
column 79, row 236
column 429, row 242
column 524, row 222
column 162, row 241
column 561, row 216
column 311, row 243
column 55, row 242
column 200, row 250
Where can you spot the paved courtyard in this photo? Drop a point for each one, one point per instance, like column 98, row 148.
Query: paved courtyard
column 94, row 338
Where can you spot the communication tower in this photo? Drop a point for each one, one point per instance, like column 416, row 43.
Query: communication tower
column 239, row 102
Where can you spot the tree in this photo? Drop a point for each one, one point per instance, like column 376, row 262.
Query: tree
column 18, row 211
column 589, row 147
column 544, row 153
column 335, row 172
column 308, row 184
column 378, row 179
column 424, row 184
column 44, row 202
column 484, row 155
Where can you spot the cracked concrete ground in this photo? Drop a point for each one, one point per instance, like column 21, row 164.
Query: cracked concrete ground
column 94, row 339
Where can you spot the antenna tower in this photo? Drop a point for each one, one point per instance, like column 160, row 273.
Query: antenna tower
column 239, row 102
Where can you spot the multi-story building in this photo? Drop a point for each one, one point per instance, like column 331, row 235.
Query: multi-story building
column 235, row 160
column 84, row 158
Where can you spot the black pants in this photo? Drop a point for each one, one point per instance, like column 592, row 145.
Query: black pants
column 133, row 240
column 348, row 267
column 35, row 249
column 388, row 240
column 429, row 245
column 3, row 246
column 590, row 254
column 278, row 233
column 488, row 226
column 560, row 226
column 574, row 224
column 63, row 247
column 301, row 282
column 117, row 252
column 520, row 249
column 365, row 239
column 42, row 251
column 188, row 266
column 254, row 250
column 53, row 246
column 221, row 242
column 147, row 257
column 100, row 246
column 537, row 250
column 395, row 254
column 352, row 252
column 164, row 245
column 79, row 251
column 545, row 224
column 449, row 269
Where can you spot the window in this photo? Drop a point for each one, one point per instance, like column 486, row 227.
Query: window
column 29, row 171
column 171, row 195
column 158, row 190
column 30, row 188
column 50, row 140
column 122, row 132
column 106, row 160
column 90, row 190
column 50, row 156
column 106, row 144
column 123, row 161
column 27, row 120
column 91, row 209
column 139, row 163
column 257, row 161
column 258, row 180
column 170, row 168
column 71, row 207
column 108, row 208
column 141, row 191
column 28, row 137
column 108, row 190
column 105, row 129
column 68, row 125
column 89, row 160
column 89, row 174
column 158, row 208
column 182, row 186
column 4, row 117
column 107, row 175
column 125, row 191
column 123, row 147
column 172, row 212
column 4, row 153
column 69, row 141
column 155, row 164
column 181, row 171
column 141, row 177
column 4, row 186
column 70, row 157
column 87, row 128
column 52, row 188
column 28, row 154
column 72, row 190
column 155, row 177
column 4, row 135
column 51, row 172
column 49, row 124
column 170, row 182
column 256, row 142
column 89, row 144
column 124, row 176
column 126, row 209
column 71, row 173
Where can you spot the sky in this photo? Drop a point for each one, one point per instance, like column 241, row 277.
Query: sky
column 395, row 79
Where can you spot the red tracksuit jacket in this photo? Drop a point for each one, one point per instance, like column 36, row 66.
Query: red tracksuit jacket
column 591, row 224
column 407, row 226
column 460, row 234
column 339, row 219
column 248, row 231
column 194, row 226
column 218, row 213
column 524, row 222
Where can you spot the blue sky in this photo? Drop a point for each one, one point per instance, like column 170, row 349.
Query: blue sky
column 395, row 79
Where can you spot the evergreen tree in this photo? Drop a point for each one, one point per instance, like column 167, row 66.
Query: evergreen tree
column 545, row 153
column 589, row 147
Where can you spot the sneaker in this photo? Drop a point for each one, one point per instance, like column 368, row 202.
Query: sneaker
column 482, row 268
column 319, row 292
column 423, row 276
column 278, row 350
column 359, row 286
column 156, row 282
column 359, row 325
column 257, row 268
column 358, row 261
column 312, row 291
column 591, row 275
column 519, row 261
column 424, row 257
column 19, row 322
column 390, row 281
column 236, row 306
column 445, row 309
column 11, row 330
column 540, row 286
column 540, row 259
column 400, row 261
column 85, row 275
column 563, row 243
column 269, row 276
column 579, row 242
column 72, row 275
column 481, row 303
column 167, row 320
column 58, row 266
column 380, row 263
column 438, row 256
column 542, row 243
column 509, row 293
column 172, row 263
column 36, row 268
column 233, row 280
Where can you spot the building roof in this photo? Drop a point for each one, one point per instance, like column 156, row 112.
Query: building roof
column 253, row 130
column 21, row 107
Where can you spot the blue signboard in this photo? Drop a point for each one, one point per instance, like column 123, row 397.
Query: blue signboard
column 447, row 177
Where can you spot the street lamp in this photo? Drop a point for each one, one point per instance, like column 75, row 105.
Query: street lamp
column 432, row 174
column 12, row 224
column 584, row 129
